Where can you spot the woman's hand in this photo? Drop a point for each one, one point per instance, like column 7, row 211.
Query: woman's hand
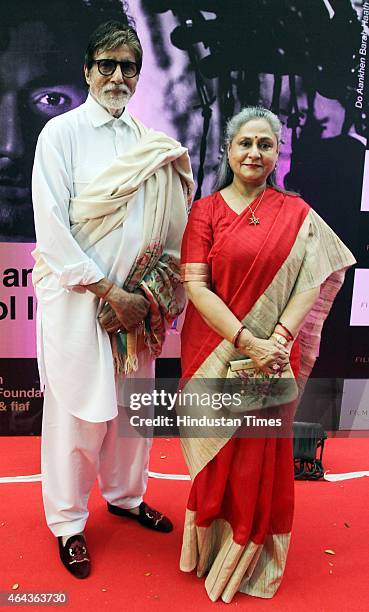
column 267, row 355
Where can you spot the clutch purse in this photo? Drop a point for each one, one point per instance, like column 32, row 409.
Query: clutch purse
column 253, row 389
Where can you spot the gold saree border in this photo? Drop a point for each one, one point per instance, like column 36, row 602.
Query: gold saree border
column 194, row 272
column 253, row 569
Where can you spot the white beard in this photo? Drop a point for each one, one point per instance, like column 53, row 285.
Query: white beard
column 114, row 101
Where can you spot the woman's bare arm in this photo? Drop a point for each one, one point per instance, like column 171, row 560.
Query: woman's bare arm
column 221, row 319
column 296, row 311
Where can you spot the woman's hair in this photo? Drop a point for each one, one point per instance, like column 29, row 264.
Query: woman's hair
column 249, row 113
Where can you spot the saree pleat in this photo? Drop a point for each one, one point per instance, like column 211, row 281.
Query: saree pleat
column 242, row 484
column 240, row 509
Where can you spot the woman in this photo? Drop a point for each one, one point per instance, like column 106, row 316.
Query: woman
column 261, row 270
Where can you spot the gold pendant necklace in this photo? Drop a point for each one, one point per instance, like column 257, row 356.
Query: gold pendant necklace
column 254, row 220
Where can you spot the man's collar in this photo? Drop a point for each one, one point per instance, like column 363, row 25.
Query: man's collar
column 98, row 115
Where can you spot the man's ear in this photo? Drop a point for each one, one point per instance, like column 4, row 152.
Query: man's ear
column 86, row 73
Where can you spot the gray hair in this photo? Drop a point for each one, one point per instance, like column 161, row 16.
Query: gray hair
column 249, row 113
column 110, row 35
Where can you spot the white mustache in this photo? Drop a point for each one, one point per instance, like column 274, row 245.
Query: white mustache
column 120, row 88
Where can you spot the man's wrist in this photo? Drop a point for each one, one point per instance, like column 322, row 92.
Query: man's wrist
column 106, row 290
column 106, row 293
column 101, row 288
column 117, row 294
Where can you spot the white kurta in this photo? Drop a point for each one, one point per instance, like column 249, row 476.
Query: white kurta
column 74, row 352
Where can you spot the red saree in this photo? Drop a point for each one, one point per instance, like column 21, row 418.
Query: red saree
column 240, row 508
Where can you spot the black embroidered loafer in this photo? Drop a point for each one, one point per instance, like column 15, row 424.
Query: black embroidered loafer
column 148, row 517
column 74, row 556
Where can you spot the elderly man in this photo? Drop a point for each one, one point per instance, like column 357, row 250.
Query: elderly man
column 109, row 201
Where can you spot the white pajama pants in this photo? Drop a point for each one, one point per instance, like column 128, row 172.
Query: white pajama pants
column 74, row 452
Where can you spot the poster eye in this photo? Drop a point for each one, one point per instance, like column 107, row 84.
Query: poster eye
column 53, row 101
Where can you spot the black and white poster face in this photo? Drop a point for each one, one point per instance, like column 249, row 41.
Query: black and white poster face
column 203, row 61
column 39, row 79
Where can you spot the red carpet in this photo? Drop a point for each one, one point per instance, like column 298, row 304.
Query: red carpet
column 135, row 569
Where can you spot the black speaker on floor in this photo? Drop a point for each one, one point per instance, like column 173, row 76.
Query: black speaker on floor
column 308, row 446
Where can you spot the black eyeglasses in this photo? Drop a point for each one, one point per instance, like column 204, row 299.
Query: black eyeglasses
column 107, row 67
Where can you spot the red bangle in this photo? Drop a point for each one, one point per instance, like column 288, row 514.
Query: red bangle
column 289, row 335
column 102, row 297
column 237, row 335
column 280, row 334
